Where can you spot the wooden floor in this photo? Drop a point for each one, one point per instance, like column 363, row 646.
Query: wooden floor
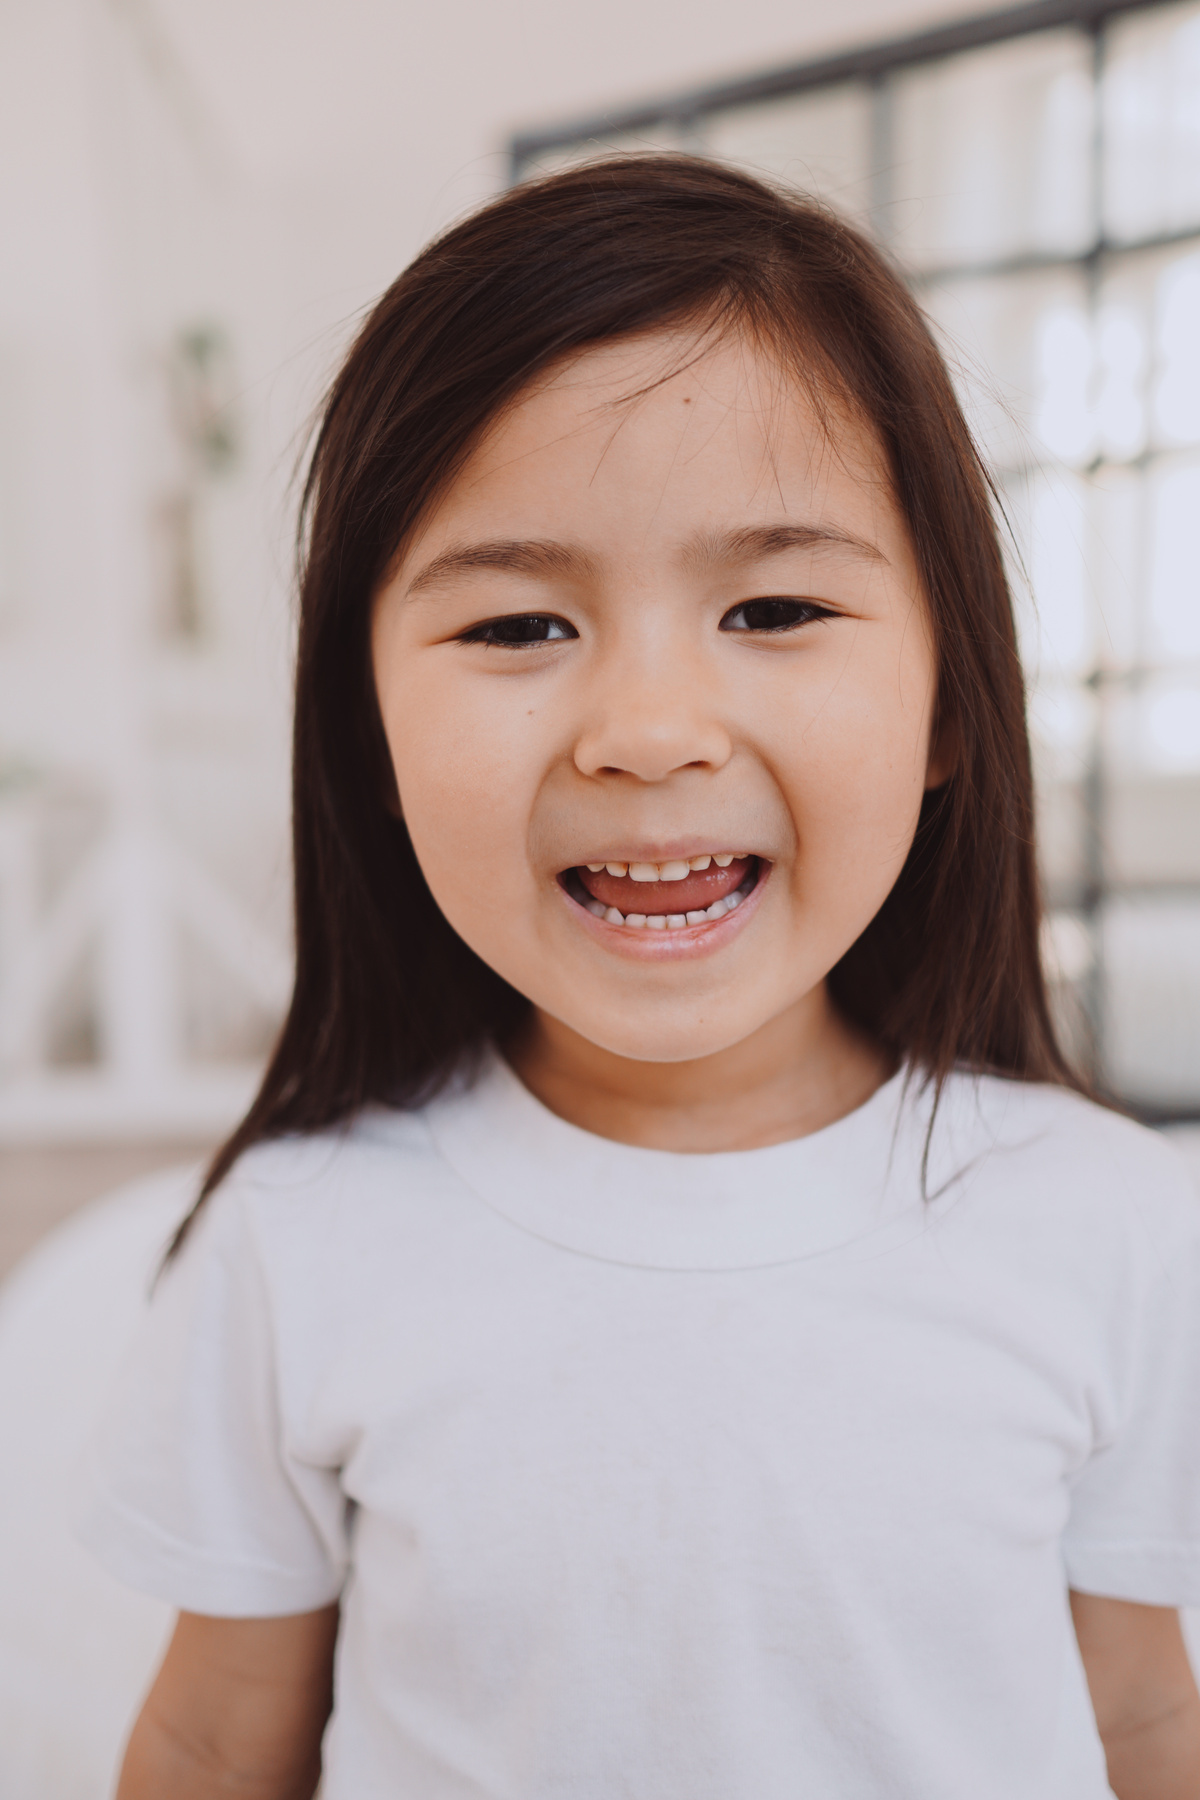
column 39, row 1186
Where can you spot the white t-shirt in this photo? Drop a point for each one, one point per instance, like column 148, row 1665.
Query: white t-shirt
column 731, row 1477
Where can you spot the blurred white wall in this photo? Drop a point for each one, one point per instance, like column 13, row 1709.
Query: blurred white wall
column 196, row 203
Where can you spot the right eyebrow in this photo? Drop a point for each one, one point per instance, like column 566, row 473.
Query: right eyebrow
column 755, row 542
column 508, row 556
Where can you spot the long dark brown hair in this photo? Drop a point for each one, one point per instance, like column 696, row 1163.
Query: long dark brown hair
column 388, row 1000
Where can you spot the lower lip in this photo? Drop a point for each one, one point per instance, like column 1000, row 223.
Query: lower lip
column 645, row 945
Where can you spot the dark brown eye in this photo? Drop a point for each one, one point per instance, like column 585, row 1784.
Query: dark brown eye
column 772, row 615
column 519, row 629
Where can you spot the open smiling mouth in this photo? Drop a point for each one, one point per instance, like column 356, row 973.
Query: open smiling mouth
column 669, row 896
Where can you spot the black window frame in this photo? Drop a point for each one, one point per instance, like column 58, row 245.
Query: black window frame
column 682, row 115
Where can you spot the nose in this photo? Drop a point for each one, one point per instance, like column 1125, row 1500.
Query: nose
column 650, row 717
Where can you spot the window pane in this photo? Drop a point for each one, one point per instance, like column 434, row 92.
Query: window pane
column 1150, row 102
column 1044, row 530
column 1020, row 348
column 1044, row 376
column 993, row 153
column 1173, row 573
column 1046, row 520
column 1143, row 569
column 1153, row 823
column 1175, row 400
column 1061, row 724
column 818, row 142
column 1147, row 351
column 1115, row 543
column 1151, row 952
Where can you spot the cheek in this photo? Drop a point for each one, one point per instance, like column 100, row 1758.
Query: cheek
column 854, row 773
column 466, row 775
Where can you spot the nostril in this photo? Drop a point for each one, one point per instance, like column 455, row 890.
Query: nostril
column 646, row 747
column 643, row 773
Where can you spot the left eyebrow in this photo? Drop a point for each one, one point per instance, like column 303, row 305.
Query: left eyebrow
column 512, row 556
column 709, row 549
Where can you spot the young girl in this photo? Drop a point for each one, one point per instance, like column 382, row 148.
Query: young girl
column 670, row 1325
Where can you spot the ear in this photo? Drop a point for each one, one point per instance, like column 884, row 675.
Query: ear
column 943, row 751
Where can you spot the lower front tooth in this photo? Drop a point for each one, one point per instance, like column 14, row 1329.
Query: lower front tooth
column 657, row 922
column 717, row 910
column 676, row 921
column 614, row 917
column 697, row 918
column 635, row 919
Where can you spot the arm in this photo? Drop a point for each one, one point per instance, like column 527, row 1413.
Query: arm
column 238, row 1707
column 1144, row 1695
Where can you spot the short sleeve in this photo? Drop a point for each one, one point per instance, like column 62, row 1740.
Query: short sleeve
column 191, row 1492
column 1134, row 1528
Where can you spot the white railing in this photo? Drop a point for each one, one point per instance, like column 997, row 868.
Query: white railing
column 113, row 936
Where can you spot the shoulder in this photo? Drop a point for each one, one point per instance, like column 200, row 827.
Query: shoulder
column 1033, row 1147
column 372, row 1144
column 323, row 1235
column 306, row 1195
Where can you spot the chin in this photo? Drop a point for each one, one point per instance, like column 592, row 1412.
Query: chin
column 658, row 1040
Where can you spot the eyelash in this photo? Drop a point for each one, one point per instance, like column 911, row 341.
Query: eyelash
column 487, row 632
column 484, row 632
column 804, row 612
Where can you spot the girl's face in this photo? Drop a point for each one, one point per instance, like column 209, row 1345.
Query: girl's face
column 657, row 679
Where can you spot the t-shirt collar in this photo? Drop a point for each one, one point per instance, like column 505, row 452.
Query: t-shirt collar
column 665, row 1210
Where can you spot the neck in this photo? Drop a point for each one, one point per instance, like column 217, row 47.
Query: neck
column 796, row 1074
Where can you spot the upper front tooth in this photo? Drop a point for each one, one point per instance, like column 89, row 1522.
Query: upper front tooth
column 616, row 868
column 723, row 862
column 667, row 871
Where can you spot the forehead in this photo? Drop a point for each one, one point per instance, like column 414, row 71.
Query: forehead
column 636, row 441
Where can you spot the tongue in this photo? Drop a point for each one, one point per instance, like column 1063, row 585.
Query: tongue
column 694, row 893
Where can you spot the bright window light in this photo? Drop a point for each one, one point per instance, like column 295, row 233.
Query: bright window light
column 1174, row 596
column 1172, row 730
column 1065, row 422
column 1177, row 390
